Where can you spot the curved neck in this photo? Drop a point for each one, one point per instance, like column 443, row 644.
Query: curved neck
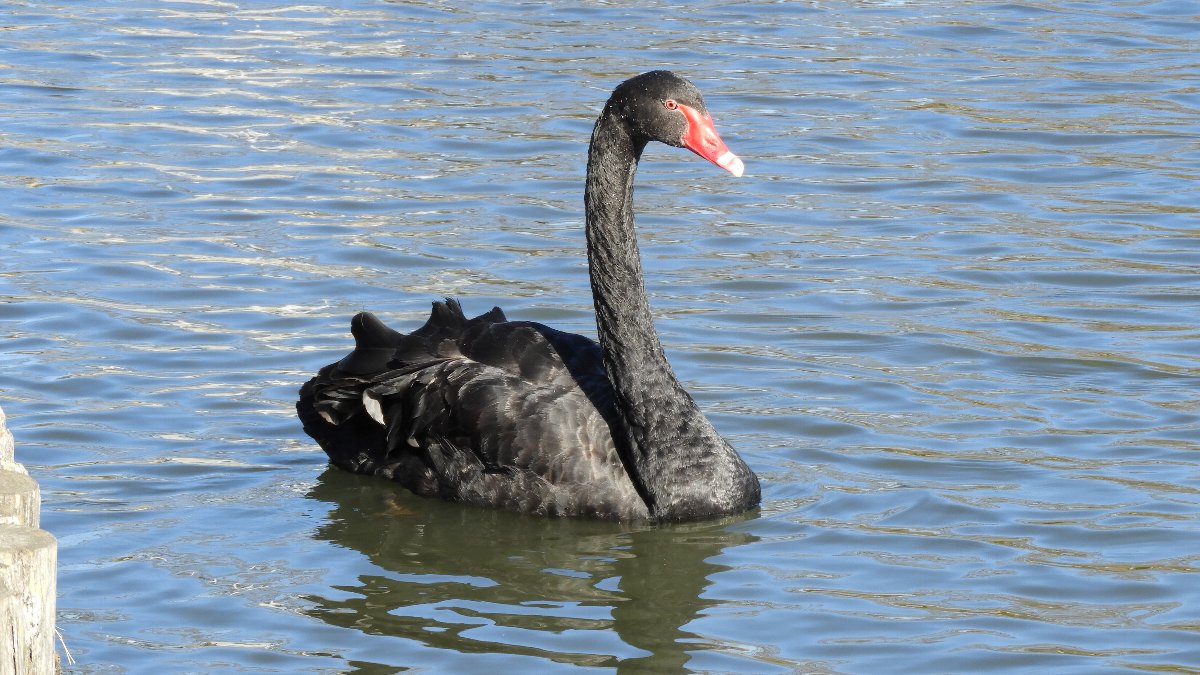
column 623, row 320
column 669, row 448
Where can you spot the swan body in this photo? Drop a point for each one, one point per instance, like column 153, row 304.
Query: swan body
column 520, row 416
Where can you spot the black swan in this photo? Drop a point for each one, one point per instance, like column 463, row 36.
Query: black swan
column 520, row 416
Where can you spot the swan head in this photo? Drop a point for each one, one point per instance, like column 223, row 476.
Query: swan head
column 661, row 106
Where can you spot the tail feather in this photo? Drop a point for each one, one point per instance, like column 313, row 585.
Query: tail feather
column 330, row 407
column 366, row 410
column 343, row 407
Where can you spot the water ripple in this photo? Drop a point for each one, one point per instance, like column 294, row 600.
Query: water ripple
column 948, row 315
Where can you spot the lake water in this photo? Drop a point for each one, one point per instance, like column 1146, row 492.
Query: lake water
column 951, row 315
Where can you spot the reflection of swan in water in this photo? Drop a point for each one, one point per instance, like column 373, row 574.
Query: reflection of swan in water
column 493, row 582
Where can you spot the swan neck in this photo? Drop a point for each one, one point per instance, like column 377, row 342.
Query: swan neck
column 633, row 353
column 678, row 462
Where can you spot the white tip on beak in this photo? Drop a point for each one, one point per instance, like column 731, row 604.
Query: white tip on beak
column 731, row 163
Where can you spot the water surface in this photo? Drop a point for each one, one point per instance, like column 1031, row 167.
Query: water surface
column 949, row 316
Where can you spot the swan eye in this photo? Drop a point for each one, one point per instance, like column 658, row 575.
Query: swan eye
column 670, row 104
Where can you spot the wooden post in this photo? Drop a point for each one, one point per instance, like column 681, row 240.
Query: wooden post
column 28, row 566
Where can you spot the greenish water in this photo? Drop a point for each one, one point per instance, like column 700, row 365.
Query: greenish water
column 949, row 315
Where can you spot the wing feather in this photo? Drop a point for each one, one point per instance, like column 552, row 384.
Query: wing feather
column 485, row 411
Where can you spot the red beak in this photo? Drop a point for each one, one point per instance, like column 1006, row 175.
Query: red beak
column 702, row 138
